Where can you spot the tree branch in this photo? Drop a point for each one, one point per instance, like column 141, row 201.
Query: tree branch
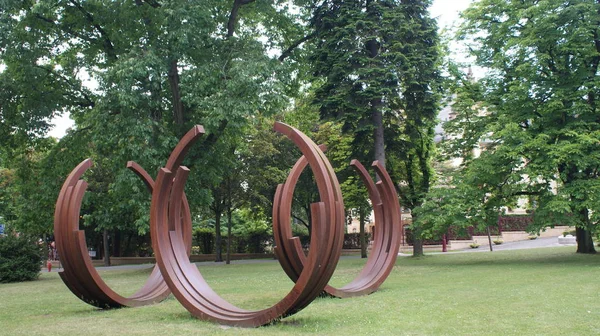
column 526, row 193
column 212, row 138
column 90, row 101
column 300, row 220
column 237, row 4
column 287, row 52
column 153, row 3
column 66, row 29
column 109, row 47
column 87, row 128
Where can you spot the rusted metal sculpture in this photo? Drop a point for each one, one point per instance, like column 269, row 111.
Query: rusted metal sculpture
column 78, row 273
column 170, row 228
column 184, row 278
column 386, row 242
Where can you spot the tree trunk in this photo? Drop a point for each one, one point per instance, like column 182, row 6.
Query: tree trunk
column 173, row 76
column 377, row 118
column 218, row 256
column 418, row 247
column 417, row 241
column 308, row 219
column 585, row 244
column 106, row 248
column 584, row 241
column 490, row 239
column 362, row 236
column 372, row 46
column 228, row 255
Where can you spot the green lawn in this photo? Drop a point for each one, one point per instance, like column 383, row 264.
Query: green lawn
column 549, row 291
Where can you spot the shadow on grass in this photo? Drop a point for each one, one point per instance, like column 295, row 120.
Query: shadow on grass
column 298, row 322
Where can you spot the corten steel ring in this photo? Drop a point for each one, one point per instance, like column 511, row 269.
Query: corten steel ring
column 184, row 278
column 386, row 241
column 78, row 273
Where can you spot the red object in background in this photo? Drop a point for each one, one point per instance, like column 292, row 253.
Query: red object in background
column 49, row 266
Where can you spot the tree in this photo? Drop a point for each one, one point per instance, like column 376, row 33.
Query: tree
column 136, row 75
column 356, row 56
column 459, row 198
column 421, row 93
column 540, row 104
column 379, row 62
column 226, row 193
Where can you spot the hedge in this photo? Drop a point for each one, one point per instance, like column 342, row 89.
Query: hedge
column 21, row 258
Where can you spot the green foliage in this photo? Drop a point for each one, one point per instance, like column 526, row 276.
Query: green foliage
column 247, row 223
column 135, row 76
column 257, row 241
column 29, row 188
column 539, row 108
column 205, row 238
column 352, row 240
column 253, row 232
column 7, row 185
column 377, row 64
column 269, row 157
column 20, row 258
column 534, row 115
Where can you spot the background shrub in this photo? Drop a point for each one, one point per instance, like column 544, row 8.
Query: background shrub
column 352, row 240
column 258, row 240
column 205, row 239
column 20, row 258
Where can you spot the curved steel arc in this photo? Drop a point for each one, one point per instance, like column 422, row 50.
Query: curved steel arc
column 78, row 273
column 386, row 241
column 188, row 285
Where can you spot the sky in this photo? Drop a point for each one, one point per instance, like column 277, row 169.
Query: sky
column 446, row 11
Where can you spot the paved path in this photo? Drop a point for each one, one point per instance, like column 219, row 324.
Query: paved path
column 200, row 263
column 527, row 244
column 518, row 245
column 143, row 266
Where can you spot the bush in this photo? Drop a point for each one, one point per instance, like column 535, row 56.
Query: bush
column 258, row 241
column 250, row 242
column 352, row 240
column 205, row 238
column 20, row 258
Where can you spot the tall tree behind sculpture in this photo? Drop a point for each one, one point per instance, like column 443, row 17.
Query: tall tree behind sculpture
column 380, row 62
column 541, row 103
column 421, row 94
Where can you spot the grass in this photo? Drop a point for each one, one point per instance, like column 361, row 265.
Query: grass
column 550, row 291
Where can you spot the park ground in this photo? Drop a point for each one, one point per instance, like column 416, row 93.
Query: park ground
column 542, row 291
